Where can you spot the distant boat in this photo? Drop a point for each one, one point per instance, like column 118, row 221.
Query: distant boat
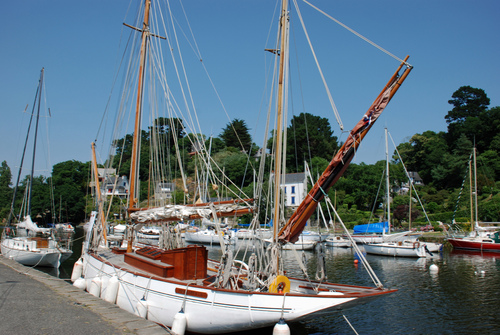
column 211, row 236
column 338, row 241
column 370, row 232
column 402, row 244
column 480, row 238
column 27, row 243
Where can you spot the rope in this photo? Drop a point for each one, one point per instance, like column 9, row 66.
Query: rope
column 350, row 325
column 410, row 181
column 357, row 34
column 369, row 269
column 330, row 98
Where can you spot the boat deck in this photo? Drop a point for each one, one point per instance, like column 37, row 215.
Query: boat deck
column 152, row 262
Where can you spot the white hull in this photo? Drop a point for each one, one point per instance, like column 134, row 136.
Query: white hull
column 433, row 247
column 397, row 249
column 215, row 311
column 299, row 245
column 365, row 239
column 338, row 241
column 209, row 237
column 25, row 251
column 308, row 235
column 249, row 233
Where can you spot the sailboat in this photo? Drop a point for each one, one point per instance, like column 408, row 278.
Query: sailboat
column 480, row 238
column 178, row 286
column 25, row 242
column 398, row 244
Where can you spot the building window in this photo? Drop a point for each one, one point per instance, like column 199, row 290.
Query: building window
column 293, row 189
column 285, row 189
column 293, row 200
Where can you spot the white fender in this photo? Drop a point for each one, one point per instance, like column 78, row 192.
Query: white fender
column 80, row 283
column 95, row 287
column 77, row 270
column 281, row 328
column 111, row 291
column 180, row 323
column 141, row 309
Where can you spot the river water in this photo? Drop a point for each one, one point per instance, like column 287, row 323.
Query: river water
column 463, row 297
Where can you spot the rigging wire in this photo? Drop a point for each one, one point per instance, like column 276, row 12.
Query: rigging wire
column 330, row 98
column 358, row 34
column 410, row 180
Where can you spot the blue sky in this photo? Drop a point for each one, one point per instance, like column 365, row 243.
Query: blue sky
column 450, row 43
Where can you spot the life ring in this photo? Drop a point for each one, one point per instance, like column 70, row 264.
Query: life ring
column 280, row 285
column 416, row 245
column 222, row 233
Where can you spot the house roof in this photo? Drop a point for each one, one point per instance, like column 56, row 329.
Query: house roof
column 292, row 178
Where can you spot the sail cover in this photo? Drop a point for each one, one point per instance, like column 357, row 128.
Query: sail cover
column 377, row 228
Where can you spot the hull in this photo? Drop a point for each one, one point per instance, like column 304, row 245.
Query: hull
column 249, row 233
column 479, row 244
column 26, row 252
column 433, row 247
column 209, row 237
column 299, row 245
column 160, row 299
column 338, row 241
column 396, row 249
column 310, row 236
column 367, row 238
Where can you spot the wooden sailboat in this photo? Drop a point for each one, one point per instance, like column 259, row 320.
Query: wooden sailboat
column 479, row 239
column 27, row 243
column 179, row 286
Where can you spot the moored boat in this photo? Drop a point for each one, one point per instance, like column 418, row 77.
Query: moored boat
column 26, row 242
column 170, row 284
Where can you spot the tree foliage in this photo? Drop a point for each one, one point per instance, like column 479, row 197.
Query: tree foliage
column 440, row 158
column 236, row 134
column 309, row 136
column 5, row 189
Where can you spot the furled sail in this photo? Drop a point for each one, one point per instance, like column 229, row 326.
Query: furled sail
column 192, row 212
column 294, row 226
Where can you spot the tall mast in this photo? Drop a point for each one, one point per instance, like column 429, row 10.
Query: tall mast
column 34, row 143
column 475, row 189
column 99, row 194
column 138, row 110
column 279, row 117
column 387, row 183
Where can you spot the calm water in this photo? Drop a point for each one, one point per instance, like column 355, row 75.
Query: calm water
column 463, row 297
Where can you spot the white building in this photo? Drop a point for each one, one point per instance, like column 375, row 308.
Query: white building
column 294, row 188
column 111, row 184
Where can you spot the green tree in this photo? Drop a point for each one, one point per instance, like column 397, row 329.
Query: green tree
column 465, row 117
column 309, row 136
column 424, row 152
column 70, row 180
column 237, row 134
column 5, row 189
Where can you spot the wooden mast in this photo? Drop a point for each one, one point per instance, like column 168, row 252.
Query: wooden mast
column 279, row 118
column 98, row 190
column 134, row 166
column 387, row 183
